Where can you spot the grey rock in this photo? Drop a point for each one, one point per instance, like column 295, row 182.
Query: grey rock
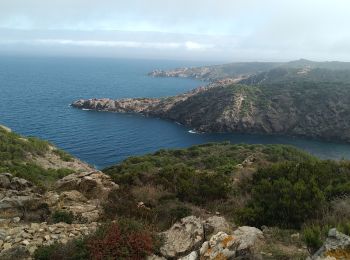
column 183, row 237
column 336, row 242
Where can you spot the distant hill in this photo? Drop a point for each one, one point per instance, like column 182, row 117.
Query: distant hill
column 243, row 70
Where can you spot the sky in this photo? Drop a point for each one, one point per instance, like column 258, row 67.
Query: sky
column 206, row 30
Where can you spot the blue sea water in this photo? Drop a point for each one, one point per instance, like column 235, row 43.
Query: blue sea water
column 35, row 94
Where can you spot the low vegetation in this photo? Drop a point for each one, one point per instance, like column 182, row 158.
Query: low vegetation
column 272, row 185
column 17, row 156
column 123, row 239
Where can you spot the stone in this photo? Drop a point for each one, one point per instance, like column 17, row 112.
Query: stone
column 183, row 237
column 35, row 226
column 215, row 224
column 249, row 239
column 5, row 180
column 7, row 246
column 94, row 184
column 242, row 244
column 16, row 219
column 25, row 242
column 1, row 243
column 220, row 246
column 47, row 237
column 337, row 245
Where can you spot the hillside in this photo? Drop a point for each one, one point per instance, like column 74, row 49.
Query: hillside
column 36, row 160
column 173, row 204
column 276, row 186
column 243, row 70
column 298, row 108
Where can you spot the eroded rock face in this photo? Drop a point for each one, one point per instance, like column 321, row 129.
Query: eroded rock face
column 93, row 185
column 337, row 246
column 242, row 244
column 183, row 237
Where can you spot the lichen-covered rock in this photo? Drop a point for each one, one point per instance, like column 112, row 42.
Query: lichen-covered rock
column 242, row 244
column 337, row 246
column 183, row 237
column 220, row 246
column 93, row 185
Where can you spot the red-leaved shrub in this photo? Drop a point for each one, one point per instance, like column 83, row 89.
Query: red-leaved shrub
column 117, row 242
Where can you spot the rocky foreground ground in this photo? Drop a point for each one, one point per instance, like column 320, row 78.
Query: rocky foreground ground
column 22, row 232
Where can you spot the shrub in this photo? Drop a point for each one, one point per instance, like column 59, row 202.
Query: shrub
column 288, row 194
column 312, row 236
column 73, row 250
column 63, row 216
column 124, row 239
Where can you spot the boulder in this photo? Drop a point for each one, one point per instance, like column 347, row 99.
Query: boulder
column 337, row 246
column 7, row 181
column 220, row 246
column 242, row 244
column 93, row 185
column 249, row 239
column 215, row 224
column 183, row 237
column 19, row 199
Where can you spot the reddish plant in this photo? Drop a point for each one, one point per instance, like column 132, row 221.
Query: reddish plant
column 115, row 244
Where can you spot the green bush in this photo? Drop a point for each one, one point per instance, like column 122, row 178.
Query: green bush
column 312, row 236
column 288, row 194
column 62, row 216
column 73, row 250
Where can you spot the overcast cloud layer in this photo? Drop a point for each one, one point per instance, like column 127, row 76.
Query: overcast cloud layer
column 220, row 30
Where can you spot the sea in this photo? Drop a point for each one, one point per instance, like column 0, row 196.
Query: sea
column 36, row 93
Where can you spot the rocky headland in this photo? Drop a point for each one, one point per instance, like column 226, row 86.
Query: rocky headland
column 301, row 108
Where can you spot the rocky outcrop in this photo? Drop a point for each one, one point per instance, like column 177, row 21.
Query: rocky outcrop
column 21, row 202
column 93, row 185
column 244, row 243
column 188, row 240
column 336, row 247
column 19, row 241
column 308, row 109
column 183, row 237
column 19, row 199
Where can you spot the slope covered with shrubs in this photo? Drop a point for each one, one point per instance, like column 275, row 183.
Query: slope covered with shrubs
column 18, row 156
column 257, row 185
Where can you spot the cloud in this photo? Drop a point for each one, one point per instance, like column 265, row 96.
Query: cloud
column 220, row 29
column 189, row 45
